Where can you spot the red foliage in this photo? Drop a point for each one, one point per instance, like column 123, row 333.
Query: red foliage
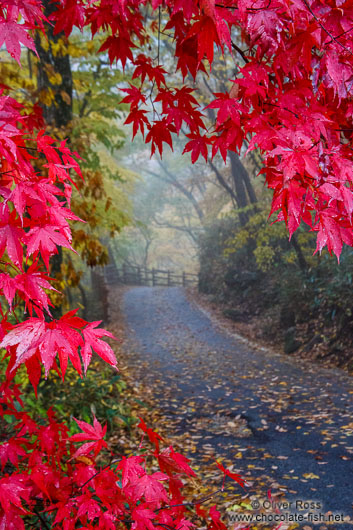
column 47, row 480
column 292, row 99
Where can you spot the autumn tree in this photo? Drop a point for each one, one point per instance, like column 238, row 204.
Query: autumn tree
column 76, row 91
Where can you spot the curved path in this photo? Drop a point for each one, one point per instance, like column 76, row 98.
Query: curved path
column 288, row 422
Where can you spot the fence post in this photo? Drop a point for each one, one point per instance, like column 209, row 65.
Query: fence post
column 124, row 273
column 139, row 279
column 169, row 279
column 184, row 279
column 153, row 277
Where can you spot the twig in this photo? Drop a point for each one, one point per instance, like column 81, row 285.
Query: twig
column 324, row 29
column 235, row 47
column 282, row 108
column 193, row 503
column 159, row 33
column 167, row 526
column 340, row 35
column 97, row 473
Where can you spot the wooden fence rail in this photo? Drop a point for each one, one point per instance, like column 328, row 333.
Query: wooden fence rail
column 132, row 275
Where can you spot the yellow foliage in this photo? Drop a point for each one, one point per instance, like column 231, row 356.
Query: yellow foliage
column 90, row 45
column 55, row 79
column 270, row 241
column 77, row 51
column 44, row 42
column 46, row 96
column 60, row 48
column 265, row 257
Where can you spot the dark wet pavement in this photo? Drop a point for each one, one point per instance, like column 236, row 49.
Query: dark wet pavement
column 298, row 417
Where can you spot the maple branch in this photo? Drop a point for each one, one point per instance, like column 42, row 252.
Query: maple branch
column 194, row 503
column 324, row 29
column 29, row 148
column 235, row 47
column 282, row 108
column 226, row 7
column 159, row 33
column 167, row 34
column 165, row 526
column 113, row 461
column 314, row 145
column 340, row 35
column 7, row 263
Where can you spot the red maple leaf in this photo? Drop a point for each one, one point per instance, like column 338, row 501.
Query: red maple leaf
column 45, row 240
column 119, row 48
column 131, row 469
column 207, row 37
column 35, row 336
column 134, row 97
column 72, row 14
column 31, row 285
column 229, row 108
column 142, row 517
column 11, row 451
column 138, row 119
column 231, row 475
column 13, row 34
column 92, row 341
column 93, row 432
column 159, row 133
column 172, row 462
column 149, row 487
column 153, row 436
column 144, row 67
column 217, row 523
column 11, row 235
column 89, row 506
column 197, row 146
column 12, row 489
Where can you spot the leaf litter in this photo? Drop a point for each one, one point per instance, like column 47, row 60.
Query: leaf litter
column 233, row 414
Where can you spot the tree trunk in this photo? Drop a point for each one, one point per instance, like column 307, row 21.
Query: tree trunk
column 300, row 256
column 239, row 187
column 59, row 113
column 224, row 183
column 240, row 172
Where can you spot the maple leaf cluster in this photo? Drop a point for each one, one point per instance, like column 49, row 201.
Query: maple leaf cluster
column 291, row 98
column 34, row 223
column 47, row 480
column 65, row 487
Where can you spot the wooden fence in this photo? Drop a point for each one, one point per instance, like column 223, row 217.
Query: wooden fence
column 131, row 275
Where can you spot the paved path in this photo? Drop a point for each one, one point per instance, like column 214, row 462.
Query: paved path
column 288, row 422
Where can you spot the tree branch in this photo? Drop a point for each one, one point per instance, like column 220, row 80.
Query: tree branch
column 324, row 29
column 235, row 47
